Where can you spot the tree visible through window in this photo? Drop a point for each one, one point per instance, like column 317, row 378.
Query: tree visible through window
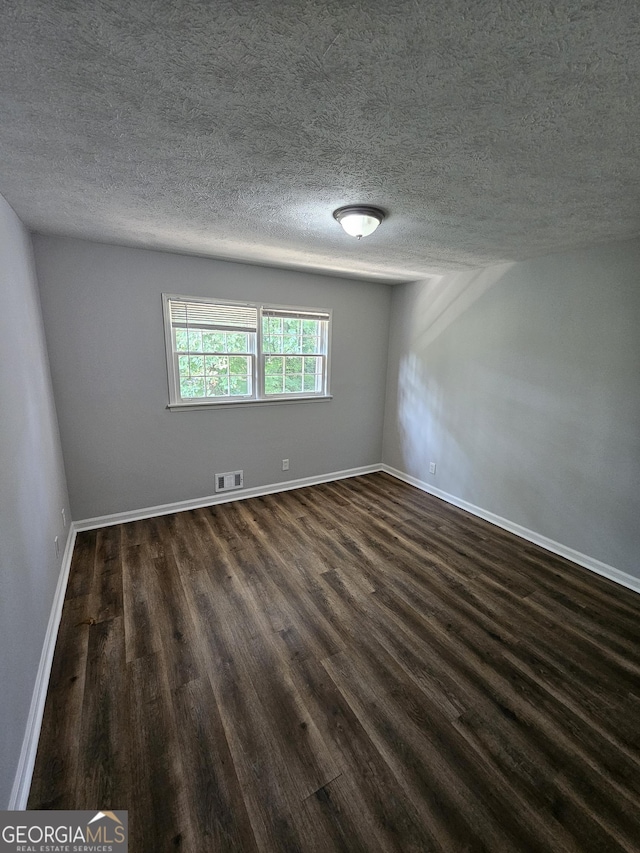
column 294, row 350
column 233, row 352
column 213, row 364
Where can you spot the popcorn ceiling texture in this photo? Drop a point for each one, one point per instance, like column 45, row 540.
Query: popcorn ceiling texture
column 489, row 131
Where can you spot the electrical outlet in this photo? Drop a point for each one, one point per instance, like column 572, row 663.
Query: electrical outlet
column 432, row 467
column 285, row 464
column 64, row 518
column 57, row 544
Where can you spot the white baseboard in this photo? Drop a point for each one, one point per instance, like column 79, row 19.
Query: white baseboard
column 620, row 577
column 22, row 781
column 210, row 500
column 587, row 562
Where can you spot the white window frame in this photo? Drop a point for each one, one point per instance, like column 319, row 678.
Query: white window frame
column 258, row 396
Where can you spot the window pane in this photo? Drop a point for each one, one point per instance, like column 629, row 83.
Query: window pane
column 193, row 387
column 272, row 365
column 237, row 343
column 183, row 365
column 272, row 342
column 213, row 342
column 310, row 327
column 217, row 386
column 182, row 340
column 273, row 385
column 310, row 381
column 196, row 364
column 239, row 365
column 291, row 343
column 312, row 365
column 195, row 340
column 293, row 365
column 292, row 327
column 272, row 325
column 293, row 384
column 219, row 363
column 239, row 386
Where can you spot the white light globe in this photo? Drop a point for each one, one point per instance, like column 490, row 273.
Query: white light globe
column 359, row 221
column 358, row 225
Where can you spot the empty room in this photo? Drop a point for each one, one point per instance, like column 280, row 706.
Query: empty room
column 320, row 443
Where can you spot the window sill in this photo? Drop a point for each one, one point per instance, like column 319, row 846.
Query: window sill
column 191, row 407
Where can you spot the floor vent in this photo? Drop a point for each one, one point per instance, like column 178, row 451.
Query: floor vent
column 230, row 481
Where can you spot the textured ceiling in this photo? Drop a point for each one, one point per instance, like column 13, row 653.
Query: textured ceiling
column 489, row 131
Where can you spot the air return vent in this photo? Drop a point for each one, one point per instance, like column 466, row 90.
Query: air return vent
column 228, row 482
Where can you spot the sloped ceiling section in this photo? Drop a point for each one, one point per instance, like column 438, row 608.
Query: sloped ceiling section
column 489, row 131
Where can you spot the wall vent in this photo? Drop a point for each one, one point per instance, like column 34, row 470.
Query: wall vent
column 228, row 482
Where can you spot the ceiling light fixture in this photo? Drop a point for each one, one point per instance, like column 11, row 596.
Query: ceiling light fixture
column 359, row 220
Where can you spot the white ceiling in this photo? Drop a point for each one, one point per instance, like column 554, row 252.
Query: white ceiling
column 489, row 131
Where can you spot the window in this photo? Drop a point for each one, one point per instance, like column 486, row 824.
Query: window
column 227, row 352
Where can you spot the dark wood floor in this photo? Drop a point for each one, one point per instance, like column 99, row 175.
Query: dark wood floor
column 349, row 667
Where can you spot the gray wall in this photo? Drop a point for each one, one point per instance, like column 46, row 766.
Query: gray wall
column 522, row 382
column 32, row 491
column 123, row 449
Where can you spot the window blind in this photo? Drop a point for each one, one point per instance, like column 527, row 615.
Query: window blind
column 217, row 316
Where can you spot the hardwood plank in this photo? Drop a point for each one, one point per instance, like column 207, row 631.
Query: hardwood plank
column 56, row 768
column 277, row 584
column 172, row 624
column 278, row 711
column 141, row 638
column 335, row 821
column 436, row 781
column 135, row 533
column 261, row 770
column 396, row 822
column 187, row 536
column 573, row 827
column 498, row 686
column 106, row 587
column 159, row 817
column 82, row 564
column 102, row 775
column 219, row 818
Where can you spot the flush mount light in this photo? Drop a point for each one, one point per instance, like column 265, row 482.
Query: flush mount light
column 359, row 220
